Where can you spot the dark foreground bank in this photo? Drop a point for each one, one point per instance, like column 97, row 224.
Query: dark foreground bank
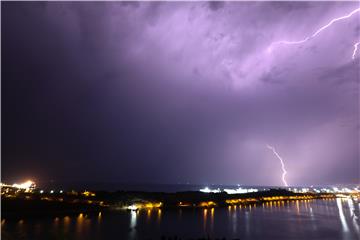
column 37, row 204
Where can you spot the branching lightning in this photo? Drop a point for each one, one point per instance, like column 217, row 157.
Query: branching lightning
column 282, row 164
column 318, row 32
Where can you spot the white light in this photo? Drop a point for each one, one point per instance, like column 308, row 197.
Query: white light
column 304, row 190
column 240, row 190
column 25, row 185
column 342, row 216
column 132, row 208
column 133, row 219
column 61, row 191
column 52, row 191
column 41, row 191
column 208, row 190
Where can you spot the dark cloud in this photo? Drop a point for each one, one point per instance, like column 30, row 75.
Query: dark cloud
column 214, row 5
column 342, row 74
column 173, row 92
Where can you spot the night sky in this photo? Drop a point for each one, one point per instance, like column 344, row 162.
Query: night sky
column 179, row 92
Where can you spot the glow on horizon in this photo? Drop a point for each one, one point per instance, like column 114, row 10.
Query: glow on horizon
column 240, row 190
column 25, row 185
column 332, row 21
column 208, row 190
column 282, row 164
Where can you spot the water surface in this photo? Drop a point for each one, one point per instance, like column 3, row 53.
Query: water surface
column 317, row 219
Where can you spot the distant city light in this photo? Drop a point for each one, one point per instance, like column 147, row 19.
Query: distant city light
column 229, row 191
column 26, row 185
column 240, row 190
column 89, row 194
column 208, row 190
column 132, row 208
column 61, row 191
column 295, row 190
column 147, row 205
column 41, row 191
column 304, row 190
column 52, row 191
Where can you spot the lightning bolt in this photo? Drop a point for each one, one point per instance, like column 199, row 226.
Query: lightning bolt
column 282, row 164
column 355, row 49
column 317, row 33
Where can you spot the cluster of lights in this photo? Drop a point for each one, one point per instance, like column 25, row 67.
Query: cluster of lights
column 208, row 190
column 149, row 205
column 26, row 185
column 240, row 190
column 51, row 191
column 229, row 191
column 293, row 189
column 132, row 208
column 207, row 204
column 325, row 190
column 241, row 201
column 88, row 194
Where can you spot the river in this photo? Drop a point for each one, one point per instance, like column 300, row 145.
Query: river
column 316, row 219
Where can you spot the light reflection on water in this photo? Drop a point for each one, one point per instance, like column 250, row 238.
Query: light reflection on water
column 205, row 218
column 354, row 214
column 133, row 217
column 342, row 216
column 317, row 219
column 159, row 216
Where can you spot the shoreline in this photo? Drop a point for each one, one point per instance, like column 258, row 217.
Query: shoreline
column 33, row 204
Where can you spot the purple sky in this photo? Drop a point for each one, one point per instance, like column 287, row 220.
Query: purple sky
column 179, row 92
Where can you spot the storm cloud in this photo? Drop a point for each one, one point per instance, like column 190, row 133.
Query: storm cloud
column 175, row 92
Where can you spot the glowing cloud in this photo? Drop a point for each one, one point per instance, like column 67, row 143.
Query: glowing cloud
column 282, row 164
column 317, row 33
